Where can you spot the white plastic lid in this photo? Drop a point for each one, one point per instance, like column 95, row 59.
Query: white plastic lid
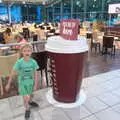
column 57, row 44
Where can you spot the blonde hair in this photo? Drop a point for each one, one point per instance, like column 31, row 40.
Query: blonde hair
column 18, row 36
column 25, row 45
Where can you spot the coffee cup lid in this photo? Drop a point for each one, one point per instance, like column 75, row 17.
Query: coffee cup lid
column 57, row 44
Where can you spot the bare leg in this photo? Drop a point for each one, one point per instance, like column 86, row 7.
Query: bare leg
column 26, row 102
column 26, row 105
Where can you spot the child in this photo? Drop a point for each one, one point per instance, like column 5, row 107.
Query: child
column 19, row 39
column 26, row 68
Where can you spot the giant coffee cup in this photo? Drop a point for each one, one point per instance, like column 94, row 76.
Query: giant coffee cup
column 66, row 63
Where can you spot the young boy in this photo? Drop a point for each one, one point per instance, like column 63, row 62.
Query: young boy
column 26, row 69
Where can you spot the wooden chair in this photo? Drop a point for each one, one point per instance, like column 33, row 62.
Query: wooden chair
column 26, row 33
column 35, row 37
column 41, row 34
column 2, row 40
column 108, row 42
column 95, row 42
column 6, row 65
column 41, row 57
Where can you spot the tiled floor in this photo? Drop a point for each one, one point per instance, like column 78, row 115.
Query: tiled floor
column 103, row 102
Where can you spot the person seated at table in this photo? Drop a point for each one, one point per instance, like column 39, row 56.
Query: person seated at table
column 8, row 36
column 19, row 39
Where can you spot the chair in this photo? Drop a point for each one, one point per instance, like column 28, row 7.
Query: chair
column 95, row 42
column 89, row 35
column 35, row 37
column 2, row 40
column 108, row 42
column 6, row 65
column 41, row 34
column 48, row 28
column 41, row 58
column 26, row 33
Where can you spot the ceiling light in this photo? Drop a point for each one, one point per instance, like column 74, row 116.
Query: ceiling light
column 23, row 2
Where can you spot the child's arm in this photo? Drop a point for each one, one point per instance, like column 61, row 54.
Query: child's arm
column 36, row 80
column 10, row 80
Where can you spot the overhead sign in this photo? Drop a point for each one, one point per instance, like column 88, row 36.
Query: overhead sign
column 69, row 29
column 114, row 8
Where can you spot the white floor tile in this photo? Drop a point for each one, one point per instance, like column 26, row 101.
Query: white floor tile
column 51, row 113
column 19, row 118
column 84, row 112
column 77, row 113
column 18, row 111
column 92, row 117
column 16, row 101
column 5, row 111
column 36, row 115
column 94, row 105
column 109, row 99
column 40, row 98
column 117, row 108
column 116, row 92
column 108, row 114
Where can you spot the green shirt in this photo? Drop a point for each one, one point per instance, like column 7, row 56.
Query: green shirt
column 26, row 70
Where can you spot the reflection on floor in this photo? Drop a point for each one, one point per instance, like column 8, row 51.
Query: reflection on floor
column 98, row 63
column 103, row 102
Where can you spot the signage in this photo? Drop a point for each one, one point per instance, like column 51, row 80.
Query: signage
column 114, row 8
column 69, row 29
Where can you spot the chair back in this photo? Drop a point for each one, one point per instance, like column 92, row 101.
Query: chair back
column 35, row 38
column 41, row 58
column 95, row 36
column 7, row 63
column 39, row 54
column 108, row 41
column 2, row 40
column 41, row 34
column 48, row 28
column 26, row 33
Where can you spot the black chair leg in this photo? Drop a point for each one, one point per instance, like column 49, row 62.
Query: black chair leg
column 114, row 50
column 99, row 48
column 102, row 50
column 91, row 48
column 95, row 49
column 41, row 83
column 46, row 74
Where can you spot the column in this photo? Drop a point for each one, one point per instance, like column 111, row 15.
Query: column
column 61, row 10
column 53, row 12
column 71, row 9
column 9, row 13
column 85, row 9
column 38, row 14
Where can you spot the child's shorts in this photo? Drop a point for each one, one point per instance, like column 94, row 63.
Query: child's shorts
column 26, row 89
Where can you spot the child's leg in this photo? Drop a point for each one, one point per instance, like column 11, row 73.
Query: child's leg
column 26, row 99
column 32, row 103
column 26, row 105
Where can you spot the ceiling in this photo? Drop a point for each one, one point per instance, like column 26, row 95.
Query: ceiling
column 44, row 2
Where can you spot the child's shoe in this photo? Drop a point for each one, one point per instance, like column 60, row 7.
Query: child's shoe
column 33, row 104
column 27, row 114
